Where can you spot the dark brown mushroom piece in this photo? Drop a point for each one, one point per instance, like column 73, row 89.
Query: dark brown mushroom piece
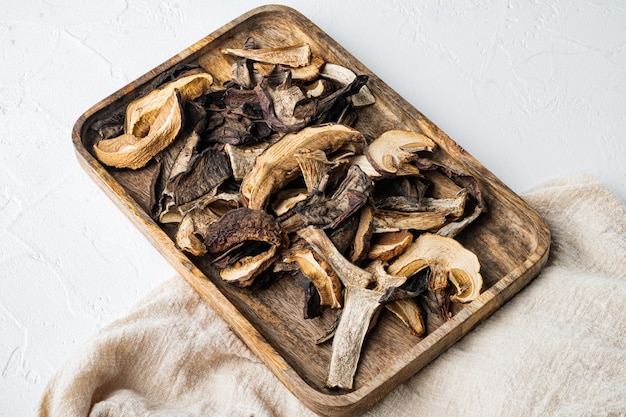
column 208, row 170
column 245, row 242
column 330, row 210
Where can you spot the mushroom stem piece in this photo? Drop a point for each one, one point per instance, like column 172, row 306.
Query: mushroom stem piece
column 360, row 305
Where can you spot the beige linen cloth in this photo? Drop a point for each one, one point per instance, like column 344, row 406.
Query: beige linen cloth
column 558, row 348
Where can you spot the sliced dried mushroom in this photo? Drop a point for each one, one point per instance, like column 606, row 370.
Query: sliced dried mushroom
column 189, row 232
column 386, row 246
column 410, row 314
column 345, row 76
column 308, row 72
column 320, row 274
column 453, row 228
column 330, row 210
column 293, row 56
column 287, row 199
column 142, row 112
column 313, row 165
column 130, row 151
column 365, row 165
column 275, row 167
column 206, row 172
column 193, row 222
column 391, row 153
column 363, row 235
column 448, row 261
column 453, row 207
column 393, row 221
column 227, row 238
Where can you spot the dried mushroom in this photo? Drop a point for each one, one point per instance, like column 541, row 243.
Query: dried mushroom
column 320, row 274
column 360, row 306
column 275, row 167
column 293, row 56
column 226, row 240
column 391, row 153
column 448, row 261
column 152, row 122
column 386, row 246
column 142, row 112
column 130, row 151
column 345, row 76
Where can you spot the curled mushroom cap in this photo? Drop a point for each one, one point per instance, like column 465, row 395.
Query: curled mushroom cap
column 142, row 112
column 448, row 260
column 130, row 151
column 244, row 228
column 392, row 151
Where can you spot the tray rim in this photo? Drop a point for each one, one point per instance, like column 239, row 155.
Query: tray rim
column 408, row 364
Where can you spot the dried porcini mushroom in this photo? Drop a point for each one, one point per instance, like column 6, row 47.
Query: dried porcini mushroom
column 320, row 274
column 361, row 304
column 275, row 167
column 410, row 314
column 152, row 122
column 391, row 153
column 345, row 76
column 130, row 151
column 225, row 240
column 448, row 260
column 293, row 56
column 141, row 113
column 386, row 246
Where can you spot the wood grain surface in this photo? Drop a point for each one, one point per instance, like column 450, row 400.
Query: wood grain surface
column 511, row 240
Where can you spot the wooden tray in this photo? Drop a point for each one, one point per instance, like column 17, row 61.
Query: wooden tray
column 511, row 240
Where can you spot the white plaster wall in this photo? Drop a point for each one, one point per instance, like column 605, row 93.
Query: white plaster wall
column 533, row 89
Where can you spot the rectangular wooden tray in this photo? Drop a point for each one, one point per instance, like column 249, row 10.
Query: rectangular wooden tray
column 511, row 240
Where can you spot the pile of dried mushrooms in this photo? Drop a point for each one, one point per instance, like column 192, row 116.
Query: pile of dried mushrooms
column 266, row 173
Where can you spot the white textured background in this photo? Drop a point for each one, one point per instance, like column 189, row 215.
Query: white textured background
column 533, row 89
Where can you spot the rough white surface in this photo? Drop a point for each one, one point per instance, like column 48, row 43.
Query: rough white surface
column 533, row 89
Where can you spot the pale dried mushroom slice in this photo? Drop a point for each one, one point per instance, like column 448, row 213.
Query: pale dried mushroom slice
column 142, row 112
column 363, row 235
column 410, row 314
column 344, row 76
column 392, row 152
column 293, row 56
column 134, row 152
column 365, row 165
column 318, row 88
column 308, row 72
column 287, row 198
column 192, row 227
column 393, row 221
column 313, row 165
column 448, row 260
column 275, row 167
column 386, row 246
column 320, row 274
